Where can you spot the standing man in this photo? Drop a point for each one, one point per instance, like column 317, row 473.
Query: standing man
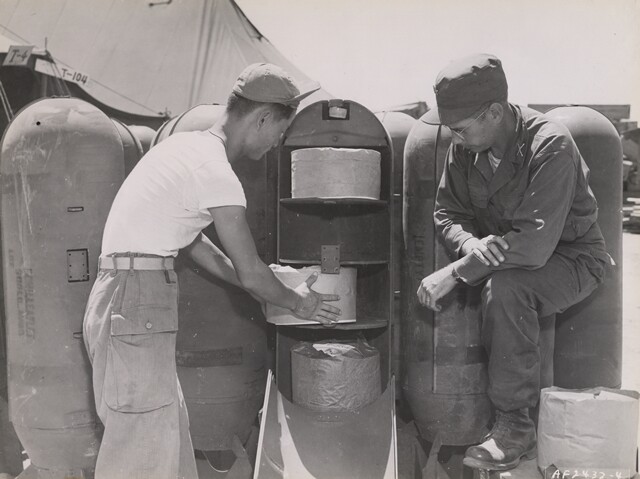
column 179, row 188
column 515, row 207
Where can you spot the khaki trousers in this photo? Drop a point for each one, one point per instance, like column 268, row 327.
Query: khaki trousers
column 130, row 328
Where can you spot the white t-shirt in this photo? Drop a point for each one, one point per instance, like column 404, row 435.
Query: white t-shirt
column 162, row 205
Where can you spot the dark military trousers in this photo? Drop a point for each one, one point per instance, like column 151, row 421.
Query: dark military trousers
column 513, row 301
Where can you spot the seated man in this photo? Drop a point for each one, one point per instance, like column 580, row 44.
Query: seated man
column 515, row 206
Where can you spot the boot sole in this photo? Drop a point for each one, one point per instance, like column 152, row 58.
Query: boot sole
column 505, row 466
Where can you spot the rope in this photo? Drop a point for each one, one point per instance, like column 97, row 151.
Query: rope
column 6, row 106
column 62, row 86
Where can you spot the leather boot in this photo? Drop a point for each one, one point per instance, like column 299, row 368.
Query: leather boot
column 512, row 438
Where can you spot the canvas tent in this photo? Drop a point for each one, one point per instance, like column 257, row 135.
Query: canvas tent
column 145, row 57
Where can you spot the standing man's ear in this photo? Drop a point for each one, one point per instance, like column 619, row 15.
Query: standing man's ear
column 263, row 116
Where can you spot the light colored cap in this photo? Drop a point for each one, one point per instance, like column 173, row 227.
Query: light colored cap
column 269, row 83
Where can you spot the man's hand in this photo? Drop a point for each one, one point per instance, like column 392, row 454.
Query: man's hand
column 436, row 286
column 489, row 250
column 310, row 304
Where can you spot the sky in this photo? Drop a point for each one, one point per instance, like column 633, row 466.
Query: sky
column 382, row 53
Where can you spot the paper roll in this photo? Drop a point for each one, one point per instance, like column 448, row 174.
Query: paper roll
column 330, row 376
column 342, row 284
column 335, row 173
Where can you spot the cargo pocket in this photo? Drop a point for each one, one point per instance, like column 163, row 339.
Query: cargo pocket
column 141, row 368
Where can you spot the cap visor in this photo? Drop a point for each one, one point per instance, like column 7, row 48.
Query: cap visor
column 432, row 117
column 447, row 116
column 314, row 87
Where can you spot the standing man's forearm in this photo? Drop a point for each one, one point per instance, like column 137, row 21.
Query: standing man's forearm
column 261, row 282
column 257, row 278
column 208, row 256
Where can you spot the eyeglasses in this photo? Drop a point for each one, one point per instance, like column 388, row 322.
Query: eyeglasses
column 460, row 131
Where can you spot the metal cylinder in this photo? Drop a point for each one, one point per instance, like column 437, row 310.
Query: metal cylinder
column 200, row 117
column 221, row 357
column 130, row 144
column 398, row 126
column 10, row 447
column 144, row 135
column 589, row 335
column 445, row 374
column 61, row 163
column 221, row 346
